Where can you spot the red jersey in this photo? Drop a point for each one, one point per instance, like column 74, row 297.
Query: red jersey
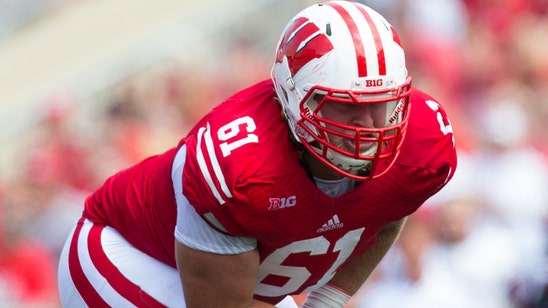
column 244, row 176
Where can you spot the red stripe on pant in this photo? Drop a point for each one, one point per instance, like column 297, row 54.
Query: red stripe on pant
column 84, row 287
column 127, row 289
column 116, row 279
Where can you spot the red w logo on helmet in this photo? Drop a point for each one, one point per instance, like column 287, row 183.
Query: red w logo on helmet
column 301, row 43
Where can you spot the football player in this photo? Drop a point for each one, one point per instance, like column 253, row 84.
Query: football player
column 295, row 185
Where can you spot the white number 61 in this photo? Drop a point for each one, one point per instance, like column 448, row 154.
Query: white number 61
column 231, row 130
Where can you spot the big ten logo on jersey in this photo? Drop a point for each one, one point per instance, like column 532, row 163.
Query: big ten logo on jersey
column 280, row 203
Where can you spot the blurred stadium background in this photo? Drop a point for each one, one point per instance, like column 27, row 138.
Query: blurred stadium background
column 91, row 86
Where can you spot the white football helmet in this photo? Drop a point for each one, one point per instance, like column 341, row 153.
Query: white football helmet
column 343, row 52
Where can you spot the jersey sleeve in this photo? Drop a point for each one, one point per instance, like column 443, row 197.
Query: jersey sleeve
column 192, row 230
column 431, row 142
column 223, row 163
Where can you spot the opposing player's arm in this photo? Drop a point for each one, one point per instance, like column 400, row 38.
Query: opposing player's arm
column 355, row 272
column 215, row 280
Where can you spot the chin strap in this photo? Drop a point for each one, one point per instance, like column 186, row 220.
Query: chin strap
column 327, row 296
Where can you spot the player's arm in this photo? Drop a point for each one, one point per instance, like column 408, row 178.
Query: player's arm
column 216, row 270
column 215, row 280
column 353, row 275
column 350, row 278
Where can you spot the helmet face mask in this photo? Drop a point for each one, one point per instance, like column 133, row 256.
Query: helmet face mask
column 341, row 79
column 353, row 132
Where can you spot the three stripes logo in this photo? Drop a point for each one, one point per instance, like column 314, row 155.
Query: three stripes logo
column 331, row 224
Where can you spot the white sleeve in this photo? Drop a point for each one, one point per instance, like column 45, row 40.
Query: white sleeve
column 191, row 229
